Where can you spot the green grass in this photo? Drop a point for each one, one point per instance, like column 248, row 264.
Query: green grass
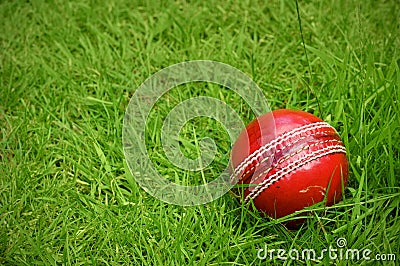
column 68, row 70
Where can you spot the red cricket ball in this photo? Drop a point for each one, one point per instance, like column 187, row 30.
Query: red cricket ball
column 291, row 160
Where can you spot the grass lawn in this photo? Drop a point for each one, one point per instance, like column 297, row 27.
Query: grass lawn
column 69, row 68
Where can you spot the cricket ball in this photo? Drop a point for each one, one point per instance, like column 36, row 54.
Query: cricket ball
column 290, row 160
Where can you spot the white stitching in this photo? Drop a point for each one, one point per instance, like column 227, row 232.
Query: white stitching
column 290, row 144
column 292, row 166
column 288, row 156
column 294, row 132
column 279, row 140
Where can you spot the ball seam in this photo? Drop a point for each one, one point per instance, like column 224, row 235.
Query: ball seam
column 288, row 156
column 279, row 140
column 287, row 145
column 293, row 166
